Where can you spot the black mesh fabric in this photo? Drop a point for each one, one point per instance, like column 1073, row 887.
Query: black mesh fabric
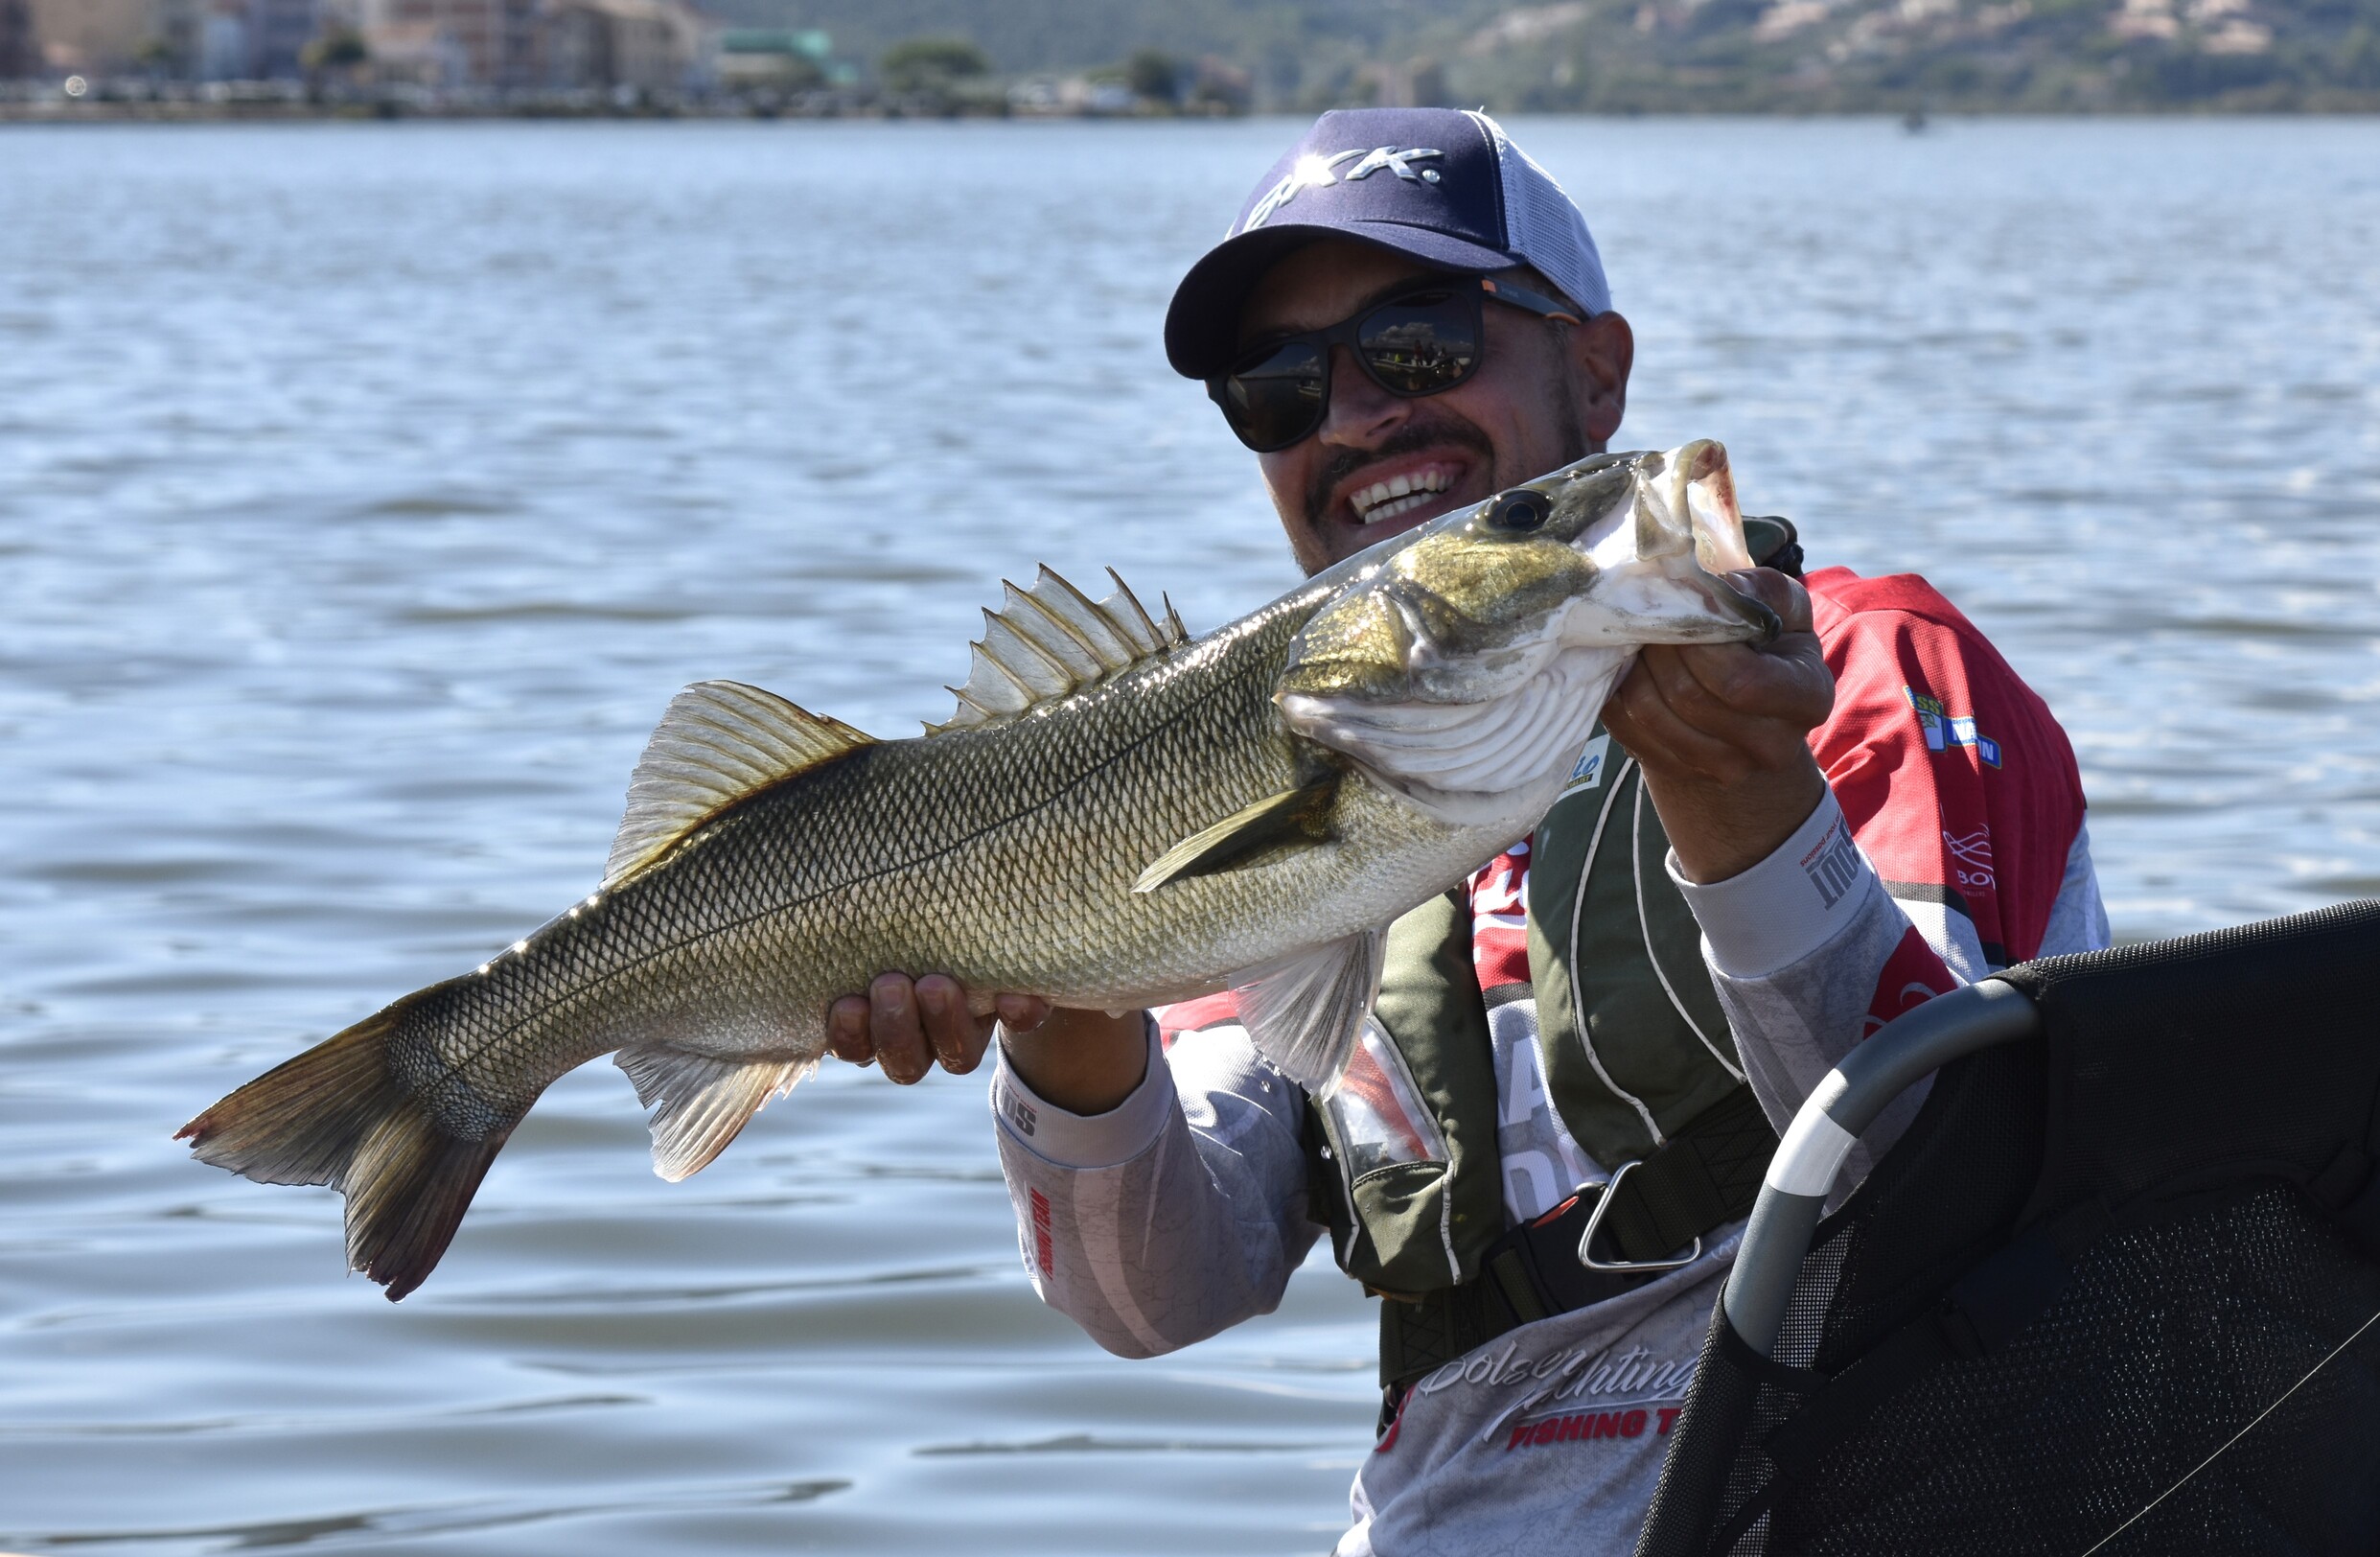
column 2181, row 1173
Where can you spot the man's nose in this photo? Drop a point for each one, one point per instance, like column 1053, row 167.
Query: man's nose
column 1361, row 413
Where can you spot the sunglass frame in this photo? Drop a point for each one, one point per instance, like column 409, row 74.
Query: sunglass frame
column 1347, row 333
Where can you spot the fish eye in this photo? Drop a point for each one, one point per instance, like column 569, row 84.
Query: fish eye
column 1519, row 511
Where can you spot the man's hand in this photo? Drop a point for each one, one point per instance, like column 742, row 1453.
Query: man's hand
column 1722, row 730
column 909, row 1025
column 1084, row 1061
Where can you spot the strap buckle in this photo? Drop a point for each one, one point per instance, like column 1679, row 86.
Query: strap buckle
column 1637, row 1267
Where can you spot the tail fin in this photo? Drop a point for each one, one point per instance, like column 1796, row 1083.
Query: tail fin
column 338, row 1115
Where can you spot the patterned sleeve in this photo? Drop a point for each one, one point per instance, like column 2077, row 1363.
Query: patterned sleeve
column 1950, row 843
column 1179, row 1212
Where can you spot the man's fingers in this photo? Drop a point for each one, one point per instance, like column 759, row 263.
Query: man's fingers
column 910, row 1025
column 1022, row 1013
column 893, row 1028
column 1654, row 731
column 1781, row 595
column 958, row 1039
column 846, row 1030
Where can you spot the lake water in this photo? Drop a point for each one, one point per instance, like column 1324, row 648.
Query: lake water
column 366, row 491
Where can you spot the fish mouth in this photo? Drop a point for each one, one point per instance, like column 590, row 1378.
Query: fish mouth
column 1465, row 677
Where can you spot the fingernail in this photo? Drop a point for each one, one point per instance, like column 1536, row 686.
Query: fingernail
column 933, row 1000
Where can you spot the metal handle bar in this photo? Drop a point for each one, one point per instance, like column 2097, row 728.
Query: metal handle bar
column 1802, row 1173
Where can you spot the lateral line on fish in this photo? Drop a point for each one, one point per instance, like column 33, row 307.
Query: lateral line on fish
column 453, row 1071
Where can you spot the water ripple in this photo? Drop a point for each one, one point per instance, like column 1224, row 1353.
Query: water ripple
column 366, row 491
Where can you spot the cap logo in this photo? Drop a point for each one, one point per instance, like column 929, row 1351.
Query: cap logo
column 1318, row 172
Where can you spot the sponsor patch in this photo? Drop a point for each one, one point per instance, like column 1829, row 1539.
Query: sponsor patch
column 1582, row 1426
column 1044, row 1253
column 1832, row 864
column 1318, row 172
column 1945, row 731
column 1020, row 1114
column 1589, row 771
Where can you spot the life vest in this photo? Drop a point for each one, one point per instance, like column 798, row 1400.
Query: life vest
column 1639, row 1066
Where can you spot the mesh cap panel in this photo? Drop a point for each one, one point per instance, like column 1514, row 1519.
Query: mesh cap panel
column 1544, row 226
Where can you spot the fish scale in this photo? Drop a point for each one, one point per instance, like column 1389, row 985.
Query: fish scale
column 1116, row 816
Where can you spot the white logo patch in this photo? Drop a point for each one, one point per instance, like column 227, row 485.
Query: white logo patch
column 1590, row 768
column 1318, row 172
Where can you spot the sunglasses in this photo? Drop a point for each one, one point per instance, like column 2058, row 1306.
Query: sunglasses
column 1420, row 341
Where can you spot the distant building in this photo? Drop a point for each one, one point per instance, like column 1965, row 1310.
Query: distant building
column 651, row 46
column 774, row 60
column 256, row 39
column 107, row 37
column 463, row 42
column 20, row 51
column 278, row 31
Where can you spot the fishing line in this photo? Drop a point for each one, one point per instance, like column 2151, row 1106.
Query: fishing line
column 2237, row 1436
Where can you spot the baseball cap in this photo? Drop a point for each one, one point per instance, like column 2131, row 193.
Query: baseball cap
column 1444, row 185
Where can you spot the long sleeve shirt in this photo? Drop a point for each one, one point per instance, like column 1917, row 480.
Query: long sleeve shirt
column 1951, row 842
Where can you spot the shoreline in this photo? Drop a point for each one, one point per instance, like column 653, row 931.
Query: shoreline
column 185, row 112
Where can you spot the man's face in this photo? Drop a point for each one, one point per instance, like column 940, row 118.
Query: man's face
column 1543, row 396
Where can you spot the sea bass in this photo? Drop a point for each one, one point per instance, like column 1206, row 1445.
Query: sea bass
column 1117, row 816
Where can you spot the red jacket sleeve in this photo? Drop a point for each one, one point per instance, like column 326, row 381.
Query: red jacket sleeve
column 1956, row 780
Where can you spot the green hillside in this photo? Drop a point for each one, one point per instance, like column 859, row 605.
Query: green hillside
column 1653, row 55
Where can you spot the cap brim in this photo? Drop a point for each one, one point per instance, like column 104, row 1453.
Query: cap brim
column 1202, row 326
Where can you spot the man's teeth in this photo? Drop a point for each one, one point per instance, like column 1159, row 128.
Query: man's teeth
column 1390, row 510
column 1397, row 495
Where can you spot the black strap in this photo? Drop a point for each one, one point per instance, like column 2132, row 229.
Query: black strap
column 1702, row 1178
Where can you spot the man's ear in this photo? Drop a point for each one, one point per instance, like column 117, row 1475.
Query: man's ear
column 1602, row 351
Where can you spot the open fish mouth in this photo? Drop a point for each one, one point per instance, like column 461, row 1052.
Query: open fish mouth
column 1467, row 668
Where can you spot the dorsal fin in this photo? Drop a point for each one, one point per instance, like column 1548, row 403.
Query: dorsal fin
column 1049, row 643
column 718, row 742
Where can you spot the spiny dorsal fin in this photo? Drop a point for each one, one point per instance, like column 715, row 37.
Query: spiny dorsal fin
column 1294, row 817
column 719, row 741
column 1049, row 643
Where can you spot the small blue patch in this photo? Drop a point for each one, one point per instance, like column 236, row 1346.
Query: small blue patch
column 1945, row 731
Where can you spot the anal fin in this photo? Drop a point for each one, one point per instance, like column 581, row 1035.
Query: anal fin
column 1304, row 1013
column 1293, row 817
column 700, row 1102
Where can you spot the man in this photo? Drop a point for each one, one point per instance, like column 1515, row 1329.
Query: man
column 1554, row 1125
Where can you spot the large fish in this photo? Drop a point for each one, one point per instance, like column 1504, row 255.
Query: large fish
column 1117, row 816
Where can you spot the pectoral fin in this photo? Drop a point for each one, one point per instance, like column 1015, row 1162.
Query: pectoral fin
column 1304, row 1013
column 1294, row 817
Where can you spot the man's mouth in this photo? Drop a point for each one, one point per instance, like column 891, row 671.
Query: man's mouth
column 1402, row 493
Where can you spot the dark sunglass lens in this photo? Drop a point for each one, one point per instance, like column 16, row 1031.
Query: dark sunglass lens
column 1276, row 398
column 1422, row 343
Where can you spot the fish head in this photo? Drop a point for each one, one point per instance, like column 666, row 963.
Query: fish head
column 1463, row 664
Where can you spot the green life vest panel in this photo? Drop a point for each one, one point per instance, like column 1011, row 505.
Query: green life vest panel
column 1630, row 1030
column 1415, row 1218
column 1638, row 1051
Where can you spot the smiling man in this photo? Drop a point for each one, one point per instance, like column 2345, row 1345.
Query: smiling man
column 1543, row 1148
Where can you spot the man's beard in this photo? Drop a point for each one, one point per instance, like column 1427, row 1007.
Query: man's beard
column 1443, row 432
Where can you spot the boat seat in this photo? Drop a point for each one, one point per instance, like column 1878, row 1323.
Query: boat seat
column 2114, row 1290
